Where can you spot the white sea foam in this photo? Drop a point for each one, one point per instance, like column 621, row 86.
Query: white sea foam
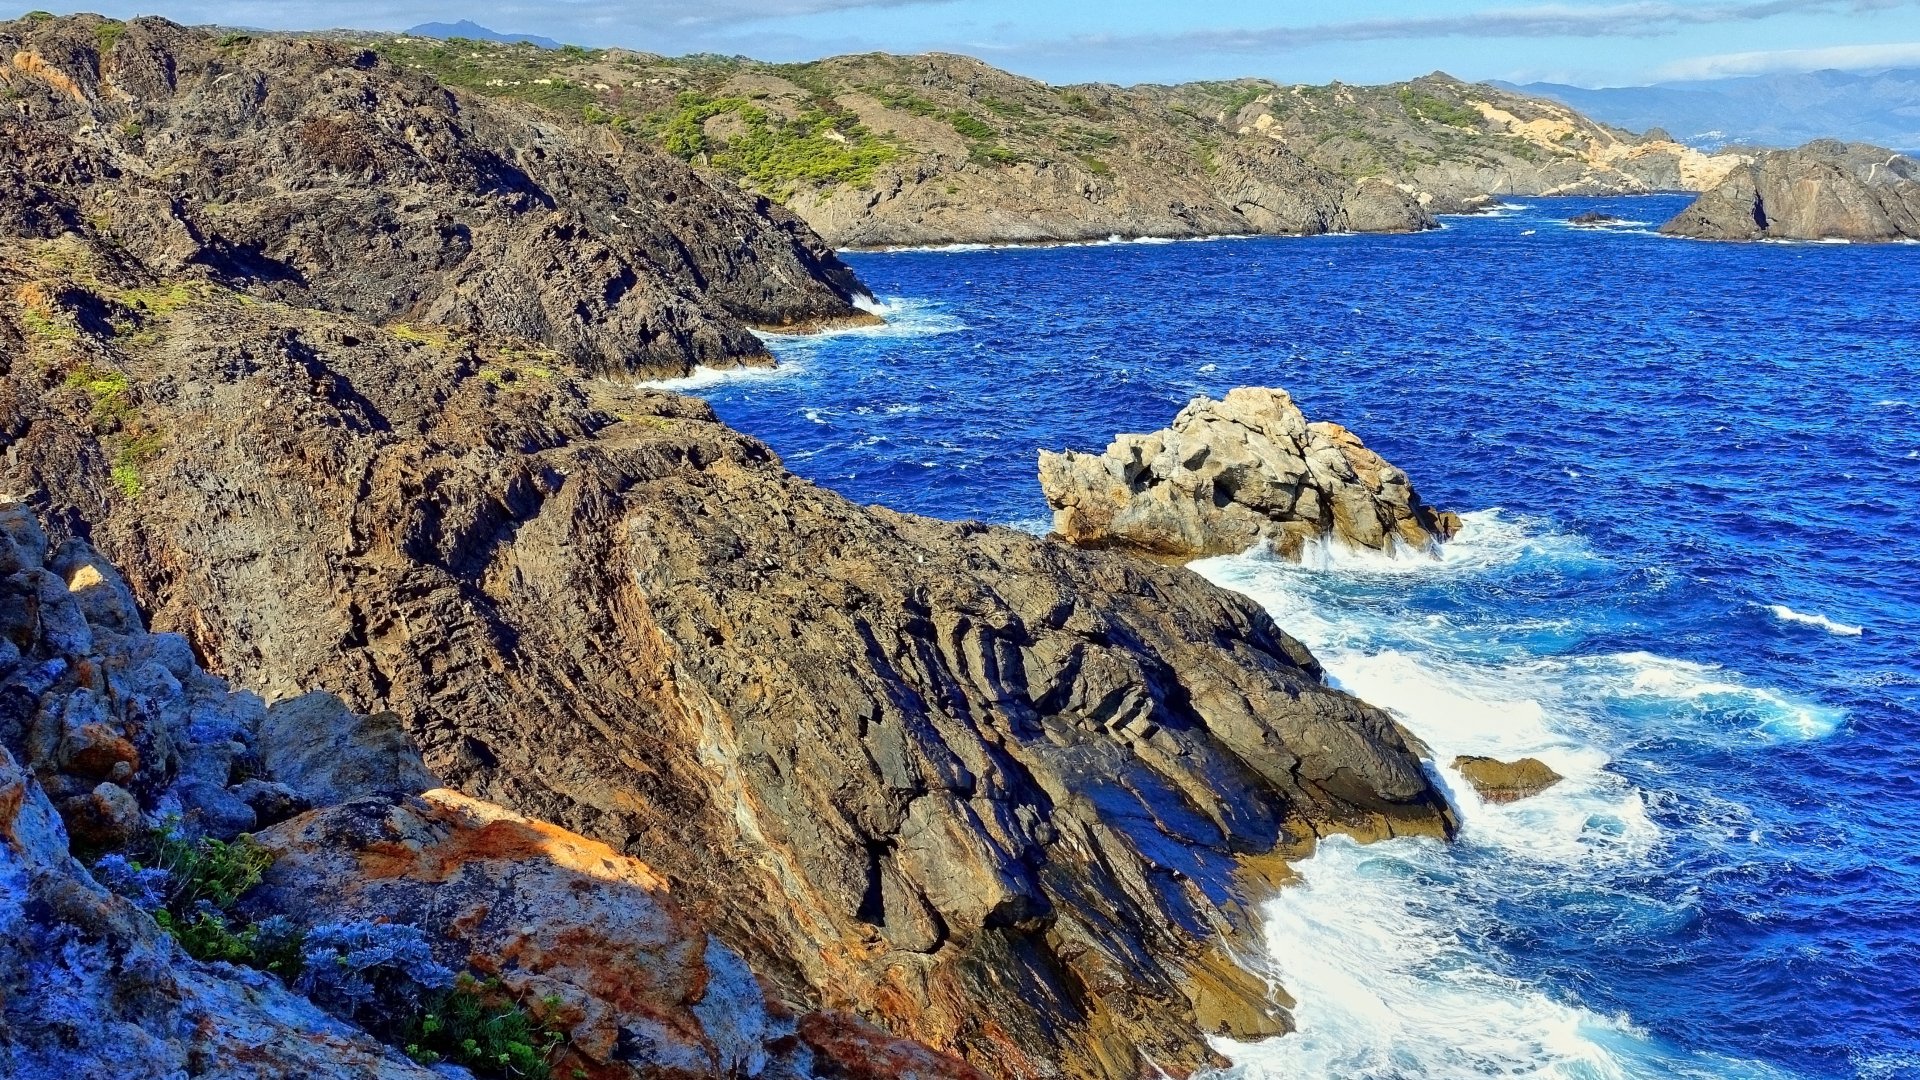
column 1389, row 948
column 704, row 378
column 1787, row 614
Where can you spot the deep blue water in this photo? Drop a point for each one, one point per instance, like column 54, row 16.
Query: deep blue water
column 1680, row 458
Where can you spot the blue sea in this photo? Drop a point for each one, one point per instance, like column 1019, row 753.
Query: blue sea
column 1690, row 582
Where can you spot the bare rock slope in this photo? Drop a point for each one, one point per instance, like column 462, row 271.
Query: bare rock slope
column 111, row 736
column 1825, row 190
column 1229, row 474
column 315, row 173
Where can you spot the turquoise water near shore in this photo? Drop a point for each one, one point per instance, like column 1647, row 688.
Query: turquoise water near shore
column 1689, row 582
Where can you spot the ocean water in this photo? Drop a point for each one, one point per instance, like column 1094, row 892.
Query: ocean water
column 1690, row 581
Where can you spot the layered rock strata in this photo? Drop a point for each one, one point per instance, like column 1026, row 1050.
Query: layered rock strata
column 1825, row 190
column 1231, row 474
column 313, row 173
column 108, row 732
column 994, row 793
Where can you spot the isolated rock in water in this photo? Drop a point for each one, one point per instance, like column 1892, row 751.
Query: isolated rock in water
column 1825, row 190
column 328, row 753
column 1232, row 473
column 560, row 920
column 1505, row 781
column 1595, row 217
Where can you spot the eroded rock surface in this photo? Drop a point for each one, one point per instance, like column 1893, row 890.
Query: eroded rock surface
column 588, row 933
column 102, row 727
column 1825, row 190
column 987, row 791
column 1230, row 474
column 314, row 173
column 1506, row 781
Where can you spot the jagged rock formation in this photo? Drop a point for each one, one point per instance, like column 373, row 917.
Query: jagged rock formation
column 1233, row 473
column 1824, row 190
column 641, row 988
column 313, row 173
column 1506, row 781
column 103, row 727
column 995, row 793
column 95, row 712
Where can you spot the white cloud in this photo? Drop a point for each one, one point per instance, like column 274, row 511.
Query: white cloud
column 1840, row 57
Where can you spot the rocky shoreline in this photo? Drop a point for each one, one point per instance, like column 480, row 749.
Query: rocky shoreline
column 1825, row 190
column 916, row 798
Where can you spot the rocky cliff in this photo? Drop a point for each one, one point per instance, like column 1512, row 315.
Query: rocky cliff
column 155, row 960
column 315, row 174
column 876, row 150
column 993, row 793
column 1455, row 145
column 1824, row 190
column 1229, row 474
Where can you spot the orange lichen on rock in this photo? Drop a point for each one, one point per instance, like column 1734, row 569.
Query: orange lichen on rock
column 863, row 1052
column 28, row 62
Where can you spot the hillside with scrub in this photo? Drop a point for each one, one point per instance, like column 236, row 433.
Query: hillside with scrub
column 879, row 150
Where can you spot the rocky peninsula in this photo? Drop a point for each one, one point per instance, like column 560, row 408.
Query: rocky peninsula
column 805, row 788
column 1227, row 475
column 1825, row 190
column 877, row 150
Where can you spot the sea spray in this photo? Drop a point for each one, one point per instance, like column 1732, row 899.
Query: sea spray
column 1401, row 954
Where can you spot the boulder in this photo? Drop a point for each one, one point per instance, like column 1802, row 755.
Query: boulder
column 1825, row 190
column 591, row 935
column 1506, row 781
column 328, row 753
column 1231, row 474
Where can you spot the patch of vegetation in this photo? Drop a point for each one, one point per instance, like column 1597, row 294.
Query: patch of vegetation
column 37, row 17
column 107, row 389
column 1436, row 109
column 777, row 155
column 108, row 34
column 1096, row 166
column 1206, row 154
column 234, row 40
column 992, row 154
column 40, row 325
column 474, row 1025
column 905, row 101
column 970, row 126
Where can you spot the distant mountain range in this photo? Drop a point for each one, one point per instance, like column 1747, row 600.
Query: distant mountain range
column 1763, row 110
column 473, row 31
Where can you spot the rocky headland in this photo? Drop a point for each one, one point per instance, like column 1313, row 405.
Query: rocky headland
column 1227, row 475
column 870, row 777
column 1825, row 190
column 878, row 150
column 312, row 173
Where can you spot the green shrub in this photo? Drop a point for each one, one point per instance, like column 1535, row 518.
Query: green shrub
column 207, row 869
column 969, row 125
column 476, row 1026
column 1438, row 110
column 109, row 34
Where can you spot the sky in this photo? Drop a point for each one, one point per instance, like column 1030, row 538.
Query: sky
column 1583, row 42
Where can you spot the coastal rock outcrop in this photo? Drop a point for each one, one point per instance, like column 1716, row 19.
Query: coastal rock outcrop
column 1825, row 190
column 983, row 790
column 590, row 934
column 103, row 726
column 1232, row 473
column 312, row 172
column 1506, row 781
